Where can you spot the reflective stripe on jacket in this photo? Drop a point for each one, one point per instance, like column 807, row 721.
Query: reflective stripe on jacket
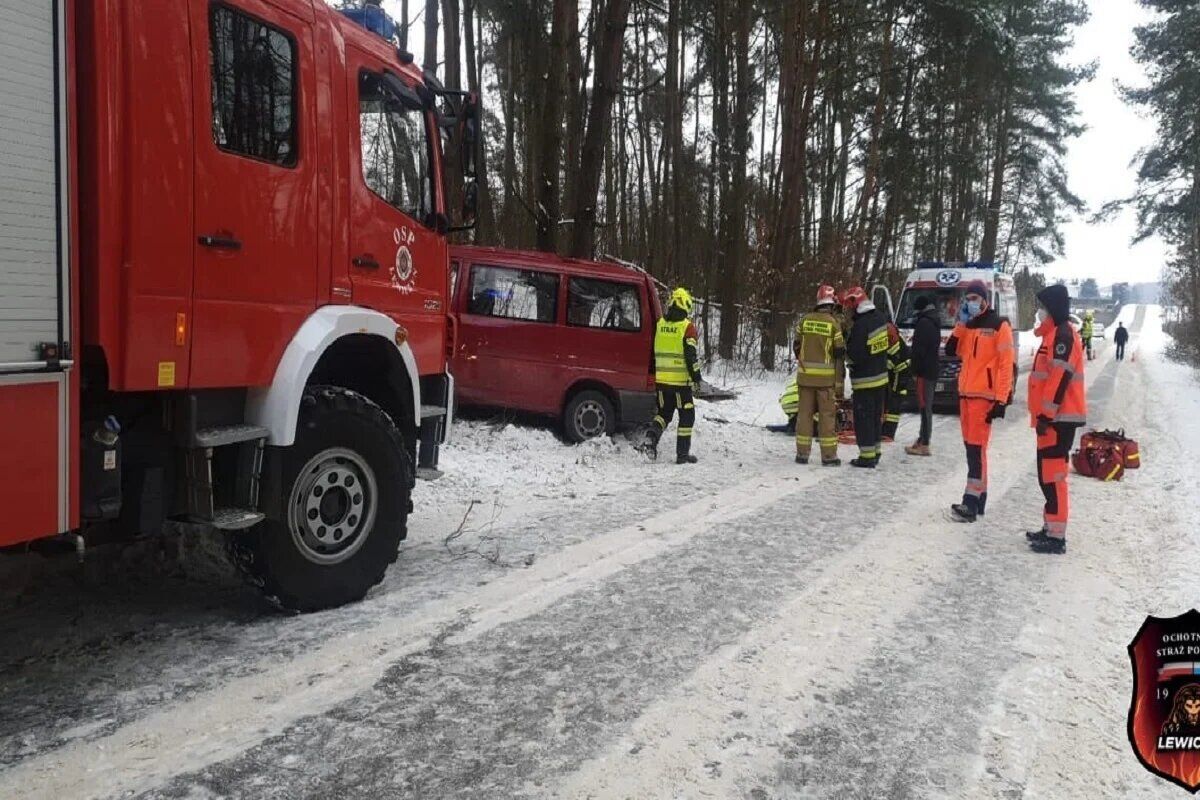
column 670, row 363
column 817, row 345
column 867, row 350
column 985, row 346
column 789, row 401
column 1056, row 384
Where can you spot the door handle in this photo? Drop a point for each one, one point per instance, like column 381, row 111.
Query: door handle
column 366, row 262
column 220, row 242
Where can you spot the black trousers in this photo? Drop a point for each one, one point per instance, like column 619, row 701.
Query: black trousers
column 868, row 420
column 1120, row 351
column 671, row 398
column 925, row 389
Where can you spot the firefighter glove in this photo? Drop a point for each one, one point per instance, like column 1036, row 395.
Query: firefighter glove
column 1043, row 425
column 997, row 411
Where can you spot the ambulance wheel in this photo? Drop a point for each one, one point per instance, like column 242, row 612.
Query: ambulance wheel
column 337, row 504
column 588, row 414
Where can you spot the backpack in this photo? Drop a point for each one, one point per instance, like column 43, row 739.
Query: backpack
column 1106, row 455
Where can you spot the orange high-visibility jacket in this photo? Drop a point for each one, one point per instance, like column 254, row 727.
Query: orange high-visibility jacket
column 985, row 347
column 1056, row 384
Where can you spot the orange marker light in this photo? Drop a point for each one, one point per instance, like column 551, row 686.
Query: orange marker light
column 180, row 330
column 401, row 335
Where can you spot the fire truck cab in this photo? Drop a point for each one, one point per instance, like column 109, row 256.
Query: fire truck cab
column 223, row 281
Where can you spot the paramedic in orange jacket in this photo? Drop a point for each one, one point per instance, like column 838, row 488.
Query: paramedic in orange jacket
column 983, row 341
column 1057, row 408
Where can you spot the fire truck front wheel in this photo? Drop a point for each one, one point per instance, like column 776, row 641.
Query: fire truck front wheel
column 337, row 504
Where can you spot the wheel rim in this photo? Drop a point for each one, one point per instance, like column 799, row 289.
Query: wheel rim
column 332, row 507
column 591, row 420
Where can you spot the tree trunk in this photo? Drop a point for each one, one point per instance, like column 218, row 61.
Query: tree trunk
column 431, row 35
column 607, row 84
column 485, row 226
column 563, row 22
column 991, row 222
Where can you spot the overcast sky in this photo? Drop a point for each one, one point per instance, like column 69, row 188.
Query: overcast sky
column 1098, row 162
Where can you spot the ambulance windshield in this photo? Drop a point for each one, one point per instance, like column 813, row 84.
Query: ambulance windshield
column 945, row 300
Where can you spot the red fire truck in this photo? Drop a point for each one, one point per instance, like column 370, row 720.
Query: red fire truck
column 223, row 281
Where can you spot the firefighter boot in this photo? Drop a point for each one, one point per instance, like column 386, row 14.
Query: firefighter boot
column 1032, row 535
column 1048, row 544
column 683, row 446
column 963, row 512
column 649, row 445
column 864, row 463
column 801, row 459
column 831, row 462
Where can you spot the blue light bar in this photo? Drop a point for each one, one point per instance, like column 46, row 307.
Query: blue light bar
column 374, row 19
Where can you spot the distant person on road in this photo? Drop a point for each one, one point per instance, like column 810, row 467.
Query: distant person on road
column 818, row 346
column 926, row 346
column 867, row 355
column 1121, row 338
column 1057, row 408
column 983, row 340
column 1086, row 332
column 676, row 371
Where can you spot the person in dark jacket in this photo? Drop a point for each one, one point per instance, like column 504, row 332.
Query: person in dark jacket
column 1121, row 338
column 926, row 365
column 867, row 354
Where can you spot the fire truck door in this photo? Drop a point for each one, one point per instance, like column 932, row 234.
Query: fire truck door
column 256, row 164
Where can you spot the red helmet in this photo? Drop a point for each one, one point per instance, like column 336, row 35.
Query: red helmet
column 852, row 297
column 826, row 295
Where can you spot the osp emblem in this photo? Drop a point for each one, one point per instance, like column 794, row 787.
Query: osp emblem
column 949, row 277
column 403, row 271
column 1164, row 714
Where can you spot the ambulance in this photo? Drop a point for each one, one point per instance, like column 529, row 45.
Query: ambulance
column 945, row 283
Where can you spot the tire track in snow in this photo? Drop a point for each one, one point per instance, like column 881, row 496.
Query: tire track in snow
column 726, row 727
column 502, row 716
column 238, row 714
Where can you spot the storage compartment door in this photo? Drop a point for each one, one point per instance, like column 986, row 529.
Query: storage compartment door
column 31, row 281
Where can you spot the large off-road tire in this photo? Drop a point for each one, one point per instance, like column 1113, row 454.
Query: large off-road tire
column 588, row 414
column 337, row 505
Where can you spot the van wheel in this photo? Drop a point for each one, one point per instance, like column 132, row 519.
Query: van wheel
column 589, row 414
column 337, row 505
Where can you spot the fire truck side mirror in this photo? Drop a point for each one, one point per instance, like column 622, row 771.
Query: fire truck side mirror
column 470, row 202
column 470, row 134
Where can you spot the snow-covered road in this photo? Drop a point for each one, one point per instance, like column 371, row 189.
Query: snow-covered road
column 606, row 627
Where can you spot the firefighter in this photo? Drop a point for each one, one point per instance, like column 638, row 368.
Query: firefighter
column 926, row 365
column 983, row 341
column 1057, row 408
column 899, row 377
column 1086, row 332
column 818, row 345
column 676, row 371
column 867, row 355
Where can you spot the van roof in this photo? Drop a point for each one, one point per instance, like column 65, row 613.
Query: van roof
column 538, row 258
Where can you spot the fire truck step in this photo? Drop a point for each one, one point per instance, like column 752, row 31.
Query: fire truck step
column 236, row 519
column 228, row 434
column 432, row 411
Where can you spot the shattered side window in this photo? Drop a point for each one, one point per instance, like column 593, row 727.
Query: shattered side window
column 521, row 294
column 604, row 304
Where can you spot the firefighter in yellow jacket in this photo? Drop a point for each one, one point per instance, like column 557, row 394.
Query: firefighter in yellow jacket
column 676, row 371
column 819, row 346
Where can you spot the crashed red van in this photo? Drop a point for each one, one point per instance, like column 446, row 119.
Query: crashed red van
column 552, row 336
